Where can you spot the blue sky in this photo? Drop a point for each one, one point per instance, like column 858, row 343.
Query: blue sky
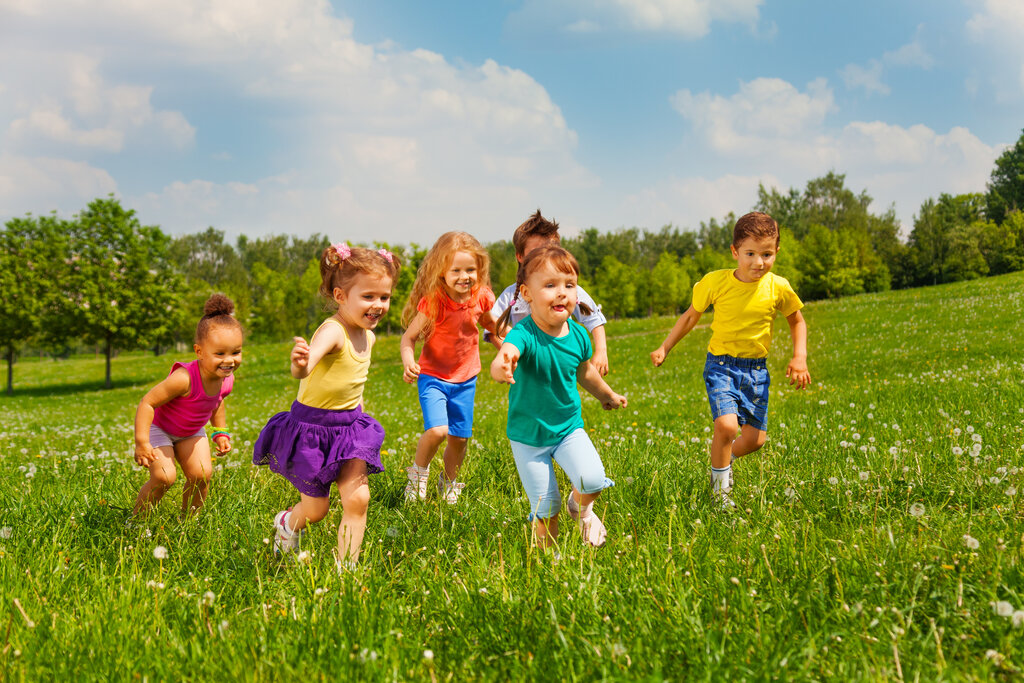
column 398, row 120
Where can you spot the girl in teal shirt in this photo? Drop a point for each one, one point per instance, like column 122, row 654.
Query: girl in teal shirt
column 543, row 358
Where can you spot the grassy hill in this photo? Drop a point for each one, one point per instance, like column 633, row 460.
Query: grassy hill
column 879, row 532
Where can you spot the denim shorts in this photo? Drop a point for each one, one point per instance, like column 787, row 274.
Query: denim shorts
column 447, row 404
column 577, row 457
column 738, row 386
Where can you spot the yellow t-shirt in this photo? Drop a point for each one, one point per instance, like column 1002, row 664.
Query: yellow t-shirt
column 744, row 311
column 336, row 383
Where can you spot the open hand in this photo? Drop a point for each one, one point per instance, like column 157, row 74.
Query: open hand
column 797, row 373
column 508, row 366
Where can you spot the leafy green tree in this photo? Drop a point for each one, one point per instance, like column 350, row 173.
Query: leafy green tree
column 788, row 259
column 1006, row 184
column 666, row 289
column 122, row 291
column 999, row 245
column 788, row 209
column 965, row 260
column 616, row 285
column 209, row 265
column 32, row 252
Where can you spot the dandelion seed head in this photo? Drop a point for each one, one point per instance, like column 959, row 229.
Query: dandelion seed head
column 160, row 552
column 917, row 509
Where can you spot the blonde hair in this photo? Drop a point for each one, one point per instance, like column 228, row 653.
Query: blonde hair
column 429, row 283
column 340, row 264
column 557, row 256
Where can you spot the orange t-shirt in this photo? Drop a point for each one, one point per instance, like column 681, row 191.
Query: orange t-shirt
column 452, row 353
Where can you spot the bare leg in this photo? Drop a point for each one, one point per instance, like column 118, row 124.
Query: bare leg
column 726, row 427
column 194, row 457
column 546, row 531
column 309, row 510
column 161, row 477
column 454, row 454
column 428, row 444
column 354, row 490
column 750, row 439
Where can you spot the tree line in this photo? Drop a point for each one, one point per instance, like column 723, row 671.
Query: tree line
column 104, row 279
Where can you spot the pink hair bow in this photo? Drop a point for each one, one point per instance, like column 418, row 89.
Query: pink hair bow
column 388, row 256
column 342, row 250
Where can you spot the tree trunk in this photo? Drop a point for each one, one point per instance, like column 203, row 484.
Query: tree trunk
column 109, row 350
column 10, row 370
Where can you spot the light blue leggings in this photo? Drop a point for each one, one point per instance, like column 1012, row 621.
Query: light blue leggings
column 577, row 457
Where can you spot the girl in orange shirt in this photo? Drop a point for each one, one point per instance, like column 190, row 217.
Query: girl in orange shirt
column 450, row 297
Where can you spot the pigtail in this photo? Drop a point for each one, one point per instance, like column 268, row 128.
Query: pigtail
column 584, row 309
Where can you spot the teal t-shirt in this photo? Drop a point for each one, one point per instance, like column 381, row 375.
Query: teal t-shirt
column 544, row 403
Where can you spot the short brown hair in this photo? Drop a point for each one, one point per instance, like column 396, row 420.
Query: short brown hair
column 757, row 225
column 534, row 225
column 562, row 260
column 217, row 311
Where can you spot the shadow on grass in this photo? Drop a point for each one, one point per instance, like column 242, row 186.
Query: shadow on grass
column 47, row 390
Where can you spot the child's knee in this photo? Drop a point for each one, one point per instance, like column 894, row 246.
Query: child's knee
column 163, row 477
column 315, row 511
column 726, row 426
column 438, row 433
column 357, row 501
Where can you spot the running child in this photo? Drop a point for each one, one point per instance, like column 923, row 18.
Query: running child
column 170, row 422
column 543, row 358
column 326, row 439
column 537, row 231
column 746, row 301
column 450, row 297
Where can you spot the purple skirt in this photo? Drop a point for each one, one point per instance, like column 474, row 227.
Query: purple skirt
column 307, row 446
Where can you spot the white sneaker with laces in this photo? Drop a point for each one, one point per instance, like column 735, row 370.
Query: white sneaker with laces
column 285, row 540
column 591, row 526
column 450, row 489
column 416, row 488
column 720, row 495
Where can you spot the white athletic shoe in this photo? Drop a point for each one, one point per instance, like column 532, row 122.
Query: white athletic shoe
column 450, row 489
column 591, row 526
column 285, row 540
column 416, row 488
column 720, row 495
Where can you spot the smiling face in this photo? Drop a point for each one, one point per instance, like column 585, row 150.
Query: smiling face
column 367, row 300
column 551, row 294
column 220, row 351
column 461, row 276
column 755, row 257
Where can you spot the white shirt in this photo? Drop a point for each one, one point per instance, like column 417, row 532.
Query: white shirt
column 521, row 309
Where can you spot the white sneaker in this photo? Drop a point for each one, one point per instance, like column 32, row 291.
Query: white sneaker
column 720, row 495
column 450, row 489
column 285, row 540
column 590, row 524
column 416, row 488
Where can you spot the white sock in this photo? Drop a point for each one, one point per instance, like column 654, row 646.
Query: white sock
column 422, row 471
column 720, row 478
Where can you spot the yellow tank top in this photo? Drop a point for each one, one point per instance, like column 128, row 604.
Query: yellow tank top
column 336, row 383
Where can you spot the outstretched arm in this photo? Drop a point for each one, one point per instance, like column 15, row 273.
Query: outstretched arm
column 411, row 369
column 686, row 322
column 590, row 379
column 503, row 367
column 176, row 385
column 797, row 369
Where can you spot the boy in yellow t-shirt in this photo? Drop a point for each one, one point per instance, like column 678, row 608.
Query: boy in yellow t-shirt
column 746, row 301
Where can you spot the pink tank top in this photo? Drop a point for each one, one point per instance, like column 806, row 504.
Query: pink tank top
column 186, row 415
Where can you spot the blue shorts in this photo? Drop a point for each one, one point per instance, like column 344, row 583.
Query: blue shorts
column 446, row 404
column 577, row 457
column 738, row 386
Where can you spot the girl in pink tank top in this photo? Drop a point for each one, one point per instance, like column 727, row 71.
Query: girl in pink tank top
column 170, row 420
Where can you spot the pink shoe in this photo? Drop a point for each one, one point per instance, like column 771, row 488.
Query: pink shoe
column 285, row 540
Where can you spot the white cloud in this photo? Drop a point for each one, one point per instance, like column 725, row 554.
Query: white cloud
column 686, row 19
column 905, row 165
column 869, row 77
column 39, row 185
column 367, row 133
column 998, row 26
column 693, row 199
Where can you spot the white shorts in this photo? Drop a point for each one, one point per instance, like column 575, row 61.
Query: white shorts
column 158, row 438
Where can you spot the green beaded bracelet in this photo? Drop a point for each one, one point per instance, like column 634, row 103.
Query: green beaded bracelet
column 220, row 432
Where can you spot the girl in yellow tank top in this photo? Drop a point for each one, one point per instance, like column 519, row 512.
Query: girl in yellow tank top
column 326, row 439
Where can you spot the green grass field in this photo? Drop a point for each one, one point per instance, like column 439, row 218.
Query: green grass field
column 879, row 533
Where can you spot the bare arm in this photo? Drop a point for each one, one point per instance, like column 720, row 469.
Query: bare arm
column 797, row 369
column 600, row 357
column 174, row 386
column 503, row 367
column 591, row 380
column 306, row 356
column 687, row 321
column 411, row 369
